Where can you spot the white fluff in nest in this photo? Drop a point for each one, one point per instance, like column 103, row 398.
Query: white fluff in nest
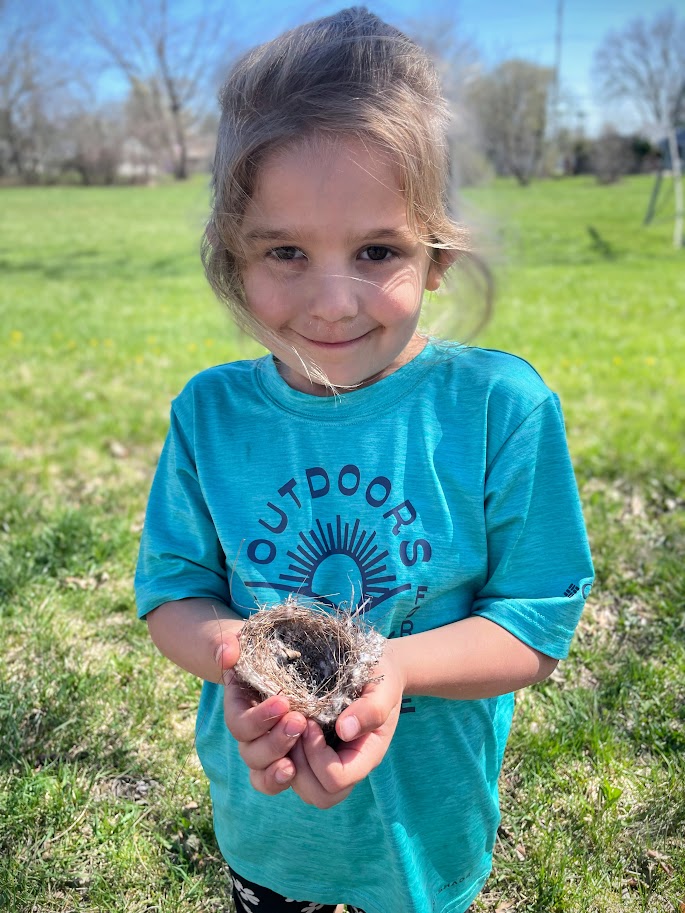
column 319, row 659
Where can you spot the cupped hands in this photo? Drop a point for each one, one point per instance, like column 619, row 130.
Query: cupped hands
column 283, row 750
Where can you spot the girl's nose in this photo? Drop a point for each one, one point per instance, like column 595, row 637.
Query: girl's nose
column 334, row 297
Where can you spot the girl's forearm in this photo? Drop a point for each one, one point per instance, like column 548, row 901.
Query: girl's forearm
column 189, row 632
column 468, row 660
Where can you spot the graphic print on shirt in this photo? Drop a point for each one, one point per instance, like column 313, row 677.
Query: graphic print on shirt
column 335, row 546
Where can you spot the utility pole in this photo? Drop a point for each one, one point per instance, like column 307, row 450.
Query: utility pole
column 556, row 89
column 677, row 172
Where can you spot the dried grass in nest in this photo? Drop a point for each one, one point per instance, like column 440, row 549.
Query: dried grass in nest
column 319, row 659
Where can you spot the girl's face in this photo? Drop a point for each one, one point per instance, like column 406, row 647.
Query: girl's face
column 331, row 264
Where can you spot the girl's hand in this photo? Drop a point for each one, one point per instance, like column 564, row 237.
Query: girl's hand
column 326, row 776
column 265, row 731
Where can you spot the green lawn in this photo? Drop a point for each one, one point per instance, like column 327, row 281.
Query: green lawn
column 105, row 314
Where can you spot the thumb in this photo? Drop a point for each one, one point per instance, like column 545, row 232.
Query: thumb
column 226, row 652
column 367, row 713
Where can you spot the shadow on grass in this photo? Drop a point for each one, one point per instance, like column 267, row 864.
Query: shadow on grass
column 53, row 705
column 90, row 265
column 619, row 697
column 48, row 718
column 600, row 245
column 38, row 546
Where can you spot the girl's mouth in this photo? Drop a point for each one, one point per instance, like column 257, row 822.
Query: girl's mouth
column 335, row 344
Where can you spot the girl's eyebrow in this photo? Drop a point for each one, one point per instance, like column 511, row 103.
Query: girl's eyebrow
column 268, row 234
column 400, row 235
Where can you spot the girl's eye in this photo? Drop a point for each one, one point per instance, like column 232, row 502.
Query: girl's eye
column 285, row 253
column 377, row 253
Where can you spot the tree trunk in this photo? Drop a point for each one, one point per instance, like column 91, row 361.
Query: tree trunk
column 181, row 150
column 651, row 208
column 177, row 111
column 677, row 173
column 14, row 141
column 181, row 170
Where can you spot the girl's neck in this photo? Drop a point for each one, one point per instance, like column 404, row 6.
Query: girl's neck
column 300, row 382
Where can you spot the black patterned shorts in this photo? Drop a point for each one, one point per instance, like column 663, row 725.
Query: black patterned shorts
column 256, row 899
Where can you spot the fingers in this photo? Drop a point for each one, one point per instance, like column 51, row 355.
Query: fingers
column 294, row 772
column 306, row 783
column 368, row 713
column 284, row 751
column 366, row 729
column 226, row 653
column 265, row 731
column 275, row 744
column 247, row 720
column 275, row 779
column 341, row 769
column 360, row 718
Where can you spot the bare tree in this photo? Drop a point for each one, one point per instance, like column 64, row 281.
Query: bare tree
column 613, row 155
column 93, row 145
column 18, row 87
column 41, row 90
column 644, row 65
column 457, row 61
column 511, row 103
column 25, row 89
column 167, row 57
column 143, row 123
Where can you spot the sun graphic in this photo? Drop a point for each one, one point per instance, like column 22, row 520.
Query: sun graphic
column 333, row 557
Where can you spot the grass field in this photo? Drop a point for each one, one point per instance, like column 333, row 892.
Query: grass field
column 105, row 314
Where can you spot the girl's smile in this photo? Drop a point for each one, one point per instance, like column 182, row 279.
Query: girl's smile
column 331, row 264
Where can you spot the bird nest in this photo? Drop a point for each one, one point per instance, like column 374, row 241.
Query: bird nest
column 319, row 659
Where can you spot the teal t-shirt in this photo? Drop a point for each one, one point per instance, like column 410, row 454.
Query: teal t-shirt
column 441, row 491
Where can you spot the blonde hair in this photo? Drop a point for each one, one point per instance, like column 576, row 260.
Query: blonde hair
column 347, row 74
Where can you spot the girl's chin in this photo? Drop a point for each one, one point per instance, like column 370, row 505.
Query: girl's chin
column 343, row 369
column 335, row 382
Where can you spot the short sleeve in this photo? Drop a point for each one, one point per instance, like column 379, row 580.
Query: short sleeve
column 539, row 566
column 180, row 554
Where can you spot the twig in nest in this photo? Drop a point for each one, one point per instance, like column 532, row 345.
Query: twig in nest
column 320, row 660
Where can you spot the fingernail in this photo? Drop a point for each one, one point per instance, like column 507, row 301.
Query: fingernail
column 293, row 728
column 283, row 774
column 218, row 653
column 349, row 728
column 278, row 708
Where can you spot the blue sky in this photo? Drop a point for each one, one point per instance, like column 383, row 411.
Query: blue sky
column 528, row 29
column 500, row 29
column 497, row 28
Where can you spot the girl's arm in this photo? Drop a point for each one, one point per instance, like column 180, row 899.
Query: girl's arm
column 190, row 632
column 467, row 660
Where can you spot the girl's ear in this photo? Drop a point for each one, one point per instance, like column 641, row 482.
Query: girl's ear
column 440, row 262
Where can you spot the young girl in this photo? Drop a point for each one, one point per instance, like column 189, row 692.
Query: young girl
column 431, row 479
